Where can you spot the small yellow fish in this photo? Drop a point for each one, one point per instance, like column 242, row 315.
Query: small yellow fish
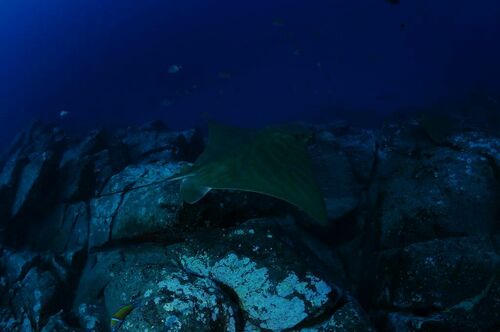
column 119, row 316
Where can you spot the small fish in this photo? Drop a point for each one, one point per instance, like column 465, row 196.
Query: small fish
column 63, row 113
column 278, row 22
column 166, row 102
column 118, row 317
column 174, row 69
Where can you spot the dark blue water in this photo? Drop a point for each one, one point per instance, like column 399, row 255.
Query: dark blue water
column 243, row 62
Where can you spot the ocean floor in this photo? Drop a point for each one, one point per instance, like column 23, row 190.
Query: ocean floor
column 412, row 241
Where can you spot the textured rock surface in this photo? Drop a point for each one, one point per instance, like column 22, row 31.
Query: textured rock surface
column 446, row 279
column 121, row 213
column 215, row 281
column 412, row 242
column 171, row 300
column 275, row 289
column 420, row 202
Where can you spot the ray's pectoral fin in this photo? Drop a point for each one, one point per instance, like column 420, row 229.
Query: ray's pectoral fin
column 192, row 191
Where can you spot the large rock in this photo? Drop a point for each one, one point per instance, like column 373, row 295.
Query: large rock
column 101, row 269
column 106, row 163
column 11, row 170
column 396, row 143
column 76, row 180
column 57, row 323
column 66, row 228
column 154, row 142
column 452, row 284
column 15, row 264
column 358, row 145
column 93, row 143
column 28, row 167
column 171, row 300
column 125, row 212
column 422, row 200
column 275, row 285
column 244, row 276
column 34, row 192
column 36, row 295
column 348, row 316
column 411, row 236
column 336, row 176
column 38, row 137
column 479, row 143
column 9, row 323
column 87, row 164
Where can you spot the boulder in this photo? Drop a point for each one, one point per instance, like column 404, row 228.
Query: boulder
column 170, row 300
column 15, row 264
column 36, row 295
column 129, row 207
column 341, row 189
column 154, row 142
column 244, row 276
column 34, row 193
column 479, row 143
column 421, row 201
column 57, row 323
column 35, row 286
column 451, row 283
column 64, row 229
column 100, row 269
column 275, row 285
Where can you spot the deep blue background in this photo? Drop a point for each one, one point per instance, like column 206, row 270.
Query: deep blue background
column 244, row 62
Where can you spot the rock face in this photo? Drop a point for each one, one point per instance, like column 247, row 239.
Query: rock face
column 88, row 227
column 455, row 281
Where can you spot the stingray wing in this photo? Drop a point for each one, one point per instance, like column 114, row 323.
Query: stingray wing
column 223, row 142
column 271, row 162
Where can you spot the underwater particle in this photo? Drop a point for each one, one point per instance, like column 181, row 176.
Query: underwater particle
column 63, row 113
column 174, row 69
column 393, row 2
column 271, row 161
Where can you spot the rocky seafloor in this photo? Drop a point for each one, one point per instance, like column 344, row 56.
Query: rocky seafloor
column 412, row 244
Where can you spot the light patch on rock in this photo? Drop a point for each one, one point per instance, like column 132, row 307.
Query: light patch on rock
column 274, row 307
column 89, row 320
column 37, row 306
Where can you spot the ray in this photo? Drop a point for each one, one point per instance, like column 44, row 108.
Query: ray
column 270, row 161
